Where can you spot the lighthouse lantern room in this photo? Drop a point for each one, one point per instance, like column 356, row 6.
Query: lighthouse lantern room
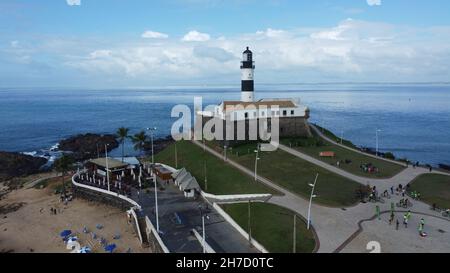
column 247, row 69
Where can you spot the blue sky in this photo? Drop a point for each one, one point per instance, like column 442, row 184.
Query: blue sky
column 142, row 43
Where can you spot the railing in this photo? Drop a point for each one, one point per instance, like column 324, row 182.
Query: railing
column 151, row 229
column 239, row 228
column 114, row 194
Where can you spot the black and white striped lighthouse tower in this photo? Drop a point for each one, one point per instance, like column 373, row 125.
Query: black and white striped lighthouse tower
column 247, row 68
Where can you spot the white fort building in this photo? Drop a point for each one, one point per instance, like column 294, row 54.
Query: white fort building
column 292, row 115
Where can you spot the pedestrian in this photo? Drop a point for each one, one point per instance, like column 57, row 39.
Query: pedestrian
column 431, row 169
column 403, row 193
column 391, row 219
column 397, row 224
column 392, row 190
column 405, row 220
column 422, row 223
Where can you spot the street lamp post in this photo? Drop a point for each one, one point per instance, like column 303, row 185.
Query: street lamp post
column 294, row 250
column 107, row 166
column 151, row 138
column 225, row 152
column 206, row 175
column 156, row 202
column 256, row 162
column 342, row 137
column 249, row 223
column 203, row 229
column 376, row 144
column 313, row 186
column 176, row 156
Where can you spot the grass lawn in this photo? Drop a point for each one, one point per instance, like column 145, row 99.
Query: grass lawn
column 295, row 174
column 313, row 147
column 433, row 188
column 222, row 178
column 272, row 226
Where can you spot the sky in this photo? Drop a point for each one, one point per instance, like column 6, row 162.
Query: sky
column 151, row 43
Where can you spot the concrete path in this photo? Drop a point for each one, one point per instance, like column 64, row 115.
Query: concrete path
column 404, row 177
column 352, row 149
column 333, row 225
column 39, row 180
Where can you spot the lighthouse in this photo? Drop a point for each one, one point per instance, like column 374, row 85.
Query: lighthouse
column 247, row 69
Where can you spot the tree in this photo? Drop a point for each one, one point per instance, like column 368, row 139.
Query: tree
column 139, row 141
column 63, row 165
column 122, row 135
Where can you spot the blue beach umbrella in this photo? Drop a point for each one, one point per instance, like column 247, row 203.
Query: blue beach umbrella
column 65, row 233
column 110, row 248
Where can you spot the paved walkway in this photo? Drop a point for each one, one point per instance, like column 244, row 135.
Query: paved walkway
column 333, row 225
column 39, row 180
column 404, row 177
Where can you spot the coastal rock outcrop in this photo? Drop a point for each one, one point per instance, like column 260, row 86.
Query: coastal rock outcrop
column 158, row 144
column 86, row 146
column 17, row 164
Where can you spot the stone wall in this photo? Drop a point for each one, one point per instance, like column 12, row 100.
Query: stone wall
column 90, row 195
column 288, row 126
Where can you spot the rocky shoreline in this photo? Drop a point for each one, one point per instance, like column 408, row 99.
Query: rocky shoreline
column 16, row 164
column 86, row 146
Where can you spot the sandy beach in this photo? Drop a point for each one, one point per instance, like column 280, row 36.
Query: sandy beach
column 27, row 225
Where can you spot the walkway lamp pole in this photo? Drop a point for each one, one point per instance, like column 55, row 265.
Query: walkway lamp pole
column 249, row 223
column 225, row 152
column 151, row 138
column 342, row 137
column 294, row 250
column 156, row 202
column 203, row 229
column 256, row 162
column 176, row 156
column 206, row 175
column 313, row 186
column 376, row 144
column 107, row 166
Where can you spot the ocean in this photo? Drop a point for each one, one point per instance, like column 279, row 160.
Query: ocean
column 414, row 119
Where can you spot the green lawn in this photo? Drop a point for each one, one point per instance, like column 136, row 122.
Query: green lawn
column 433, row 188
column 222, row 178
column 295, row 174
column 272, row 226
column 313, row 146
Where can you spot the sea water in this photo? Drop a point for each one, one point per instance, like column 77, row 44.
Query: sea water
column 414, row 119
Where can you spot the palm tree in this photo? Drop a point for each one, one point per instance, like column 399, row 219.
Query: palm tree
column 139, row 141
column 123, row 134
column 63, row 165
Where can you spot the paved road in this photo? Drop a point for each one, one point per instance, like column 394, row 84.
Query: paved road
column 332, row 225
column 222, row 237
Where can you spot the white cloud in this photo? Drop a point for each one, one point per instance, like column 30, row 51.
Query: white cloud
column 195, row 36
column 14, row 44
column 73, row 2
column 352, row 50
column 154, row 35
column 374, row 2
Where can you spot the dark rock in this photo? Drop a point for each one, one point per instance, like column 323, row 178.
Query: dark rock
column 158, row 144
column 17, row 164
column 87, row 146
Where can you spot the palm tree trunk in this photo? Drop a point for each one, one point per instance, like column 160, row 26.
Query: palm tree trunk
column 123, row 143
column 63, row 185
